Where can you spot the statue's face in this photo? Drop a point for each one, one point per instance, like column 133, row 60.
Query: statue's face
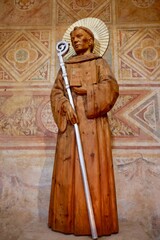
column 81, row 41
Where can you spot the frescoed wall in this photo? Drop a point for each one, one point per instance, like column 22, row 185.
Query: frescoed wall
column 29, row 30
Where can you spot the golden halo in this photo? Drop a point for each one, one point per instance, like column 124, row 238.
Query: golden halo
column 100, row 31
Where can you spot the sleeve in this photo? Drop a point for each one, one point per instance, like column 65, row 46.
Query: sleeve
column 102, row 96
column 58, row 99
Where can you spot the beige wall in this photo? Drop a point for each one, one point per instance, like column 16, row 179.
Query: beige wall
column 29, row 31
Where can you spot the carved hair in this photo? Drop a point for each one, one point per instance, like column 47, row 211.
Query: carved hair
column 85, row 29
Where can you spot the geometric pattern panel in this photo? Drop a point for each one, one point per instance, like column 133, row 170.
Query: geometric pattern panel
column 27, row 13
column 147, row 116
column 73, row 10
column 120, row 126
column 25, row 56
column 138, row 11
column 135, row 117
column 139, row 54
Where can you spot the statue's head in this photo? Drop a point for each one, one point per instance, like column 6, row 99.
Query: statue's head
column 82, row 40
column 95, row 29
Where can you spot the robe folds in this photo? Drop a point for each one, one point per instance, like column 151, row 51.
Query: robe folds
column 68, row 211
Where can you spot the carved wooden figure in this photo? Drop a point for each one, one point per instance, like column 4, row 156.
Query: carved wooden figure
column 94, row 91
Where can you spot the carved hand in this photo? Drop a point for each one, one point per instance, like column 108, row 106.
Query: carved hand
column 70, row 113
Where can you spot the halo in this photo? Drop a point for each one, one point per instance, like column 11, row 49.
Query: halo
column 100, row 31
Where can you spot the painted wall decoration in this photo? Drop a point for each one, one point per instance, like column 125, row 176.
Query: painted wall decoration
column 29, row 30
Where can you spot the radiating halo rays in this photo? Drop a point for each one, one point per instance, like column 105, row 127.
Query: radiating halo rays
column 100, row 31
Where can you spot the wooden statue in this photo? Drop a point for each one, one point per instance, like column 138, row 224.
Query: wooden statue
column 94, row 91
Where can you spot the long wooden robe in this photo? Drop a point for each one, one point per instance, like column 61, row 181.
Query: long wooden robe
column 67, row 210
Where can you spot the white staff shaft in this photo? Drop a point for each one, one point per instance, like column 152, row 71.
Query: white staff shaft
column 81, row 155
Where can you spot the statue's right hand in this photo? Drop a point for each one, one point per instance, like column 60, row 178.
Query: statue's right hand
column 70, row 113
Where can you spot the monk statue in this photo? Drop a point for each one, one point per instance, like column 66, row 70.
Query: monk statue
column 94, row 91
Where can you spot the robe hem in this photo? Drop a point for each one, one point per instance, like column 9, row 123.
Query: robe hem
column 83, row 234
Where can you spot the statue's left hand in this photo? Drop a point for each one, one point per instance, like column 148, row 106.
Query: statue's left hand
column 80, row 90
